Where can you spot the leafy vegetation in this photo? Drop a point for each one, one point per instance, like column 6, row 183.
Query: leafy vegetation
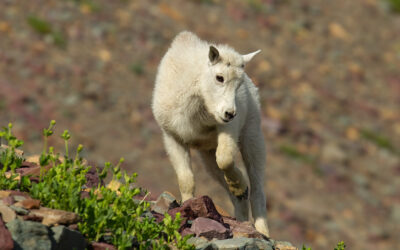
column 378, row 140
column 43, row 28
column 394, row 5
column 9, row 161
column 106, row 214
column 295, row 154
column 340, row 246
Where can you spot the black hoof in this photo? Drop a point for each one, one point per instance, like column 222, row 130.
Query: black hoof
column 244, row 196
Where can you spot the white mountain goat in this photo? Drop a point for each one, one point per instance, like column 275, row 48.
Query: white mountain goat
column 204, row 100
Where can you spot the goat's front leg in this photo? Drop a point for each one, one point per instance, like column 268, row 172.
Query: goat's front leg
column 225, row 156
column 180, row 158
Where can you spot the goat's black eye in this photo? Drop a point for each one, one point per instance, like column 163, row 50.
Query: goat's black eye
column 228, row 64
column 242, row 65
column 220, row 78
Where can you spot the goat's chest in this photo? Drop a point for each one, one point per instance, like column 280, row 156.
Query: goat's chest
column 196, row 135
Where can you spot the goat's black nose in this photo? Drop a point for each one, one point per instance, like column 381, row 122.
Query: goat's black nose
column 229, row 115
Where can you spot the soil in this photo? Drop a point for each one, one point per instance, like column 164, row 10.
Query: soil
column 329, row 81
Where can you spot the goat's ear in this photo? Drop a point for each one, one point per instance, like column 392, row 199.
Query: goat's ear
column 248, row 57
column 213, row 54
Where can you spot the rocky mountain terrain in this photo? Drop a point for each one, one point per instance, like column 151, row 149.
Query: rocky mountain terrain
column 329, row 81
column 27, row 225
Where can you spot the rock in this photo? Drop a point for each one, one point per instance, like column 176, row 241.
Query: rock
column 241, row 243
column 197, row 241
column 8, row 200
column 221, row 211
column 30, row 235
column 200, row 243
column 19, row 210
column 187, row 231
column 158, row 217
column 19, row 198
column 54, row 216
column 32, row 217
column 66, row 238
column 28, row 204
column 18, row 152
column 73, row 227
column 198, row 207
column 5, row 193
column 102, row 246
column 209, row 229
column 243, row 229
column 165, row 202
column 7, row 213
column 6, row 241
column 332, row 153
column 284, row 245
column 92, row 178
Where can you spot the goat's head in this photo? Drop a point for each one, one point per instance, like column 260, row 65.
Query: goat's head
column 225, row 75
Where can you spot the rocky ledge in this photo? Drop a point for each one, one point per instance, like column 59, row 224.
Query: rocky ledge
column 212, row 227
column 26, row 224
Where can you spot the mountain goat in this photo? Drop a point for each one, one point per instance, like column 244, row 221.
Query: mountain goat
column 204, row 100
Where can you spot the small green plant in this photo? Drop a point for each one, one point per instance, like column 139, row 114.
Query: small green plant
column 295, row 154
column 394, row 5
column 340, row 246
column 137, row 68
column 110, row 215
column 43, row 28
column 9, row 161
column 378, row 140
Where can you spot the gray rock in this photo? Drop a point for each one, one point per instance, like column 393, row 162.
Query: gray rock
column 263, row 244
column 66, row 238
column 165, row 202
column 241, row 244
column 19, row 198
column 29, row 235
column 19, row 210
column 197, row 241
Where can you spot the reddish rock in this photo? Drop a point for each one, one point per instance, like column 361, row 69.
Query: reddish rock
column 157, row 216
column 6, row 241
column 187, row 231
column 8, row 200
column 198, row 207
column 102, row 246
column 210, row 229
column 32, row 217
column 73, row 227
column 243, row 229
column 92, row 178
column 28, row 204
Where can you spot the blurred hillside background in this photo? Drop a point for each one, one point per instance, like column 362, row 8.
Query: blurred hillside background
column 328, row 76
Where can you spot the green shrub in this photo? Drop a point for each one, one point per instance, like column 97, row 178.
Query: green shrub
column 107, row 215
column 9, row 161
column 394, row 5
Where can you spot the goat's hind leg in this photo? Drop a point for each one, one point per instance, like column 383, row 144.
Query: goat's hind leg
column 254, row 158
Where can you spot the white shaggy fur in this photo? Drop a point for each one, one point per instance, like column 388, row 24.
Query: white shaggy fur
column 204, row 100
